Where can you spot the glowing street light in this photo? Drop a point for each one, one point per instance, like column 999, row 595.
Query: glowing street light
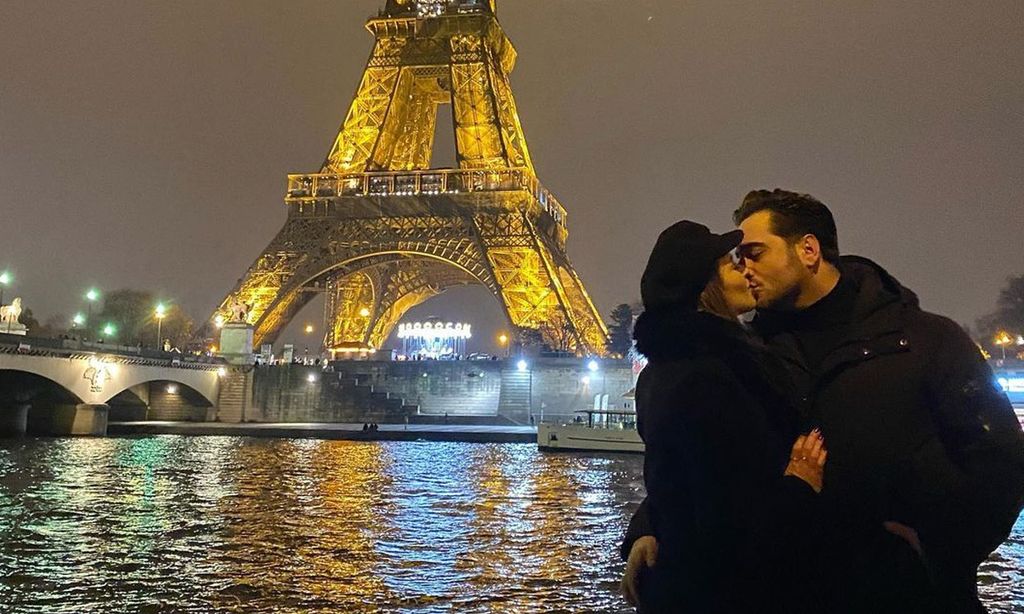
column 109, row 330
column 160, row 313
column 522, row 366
column 91, row 295
column 309, row 328
column 503, row 342
column 1003, row 339
column 5, row 280
column 592, row 366
column 78, row 320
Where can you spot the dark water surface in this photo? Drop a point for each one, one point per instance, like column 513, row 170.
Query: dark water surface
column 226, row 524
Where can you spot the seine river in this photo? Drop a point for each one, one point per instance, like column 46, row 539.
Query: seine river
column 226, row 524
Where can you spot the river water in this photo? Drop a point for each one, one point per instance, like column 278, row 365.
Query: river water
column 230, row 524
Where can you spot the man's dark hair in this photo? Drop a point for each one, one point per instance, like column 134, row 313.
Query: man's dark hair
column 794, row 215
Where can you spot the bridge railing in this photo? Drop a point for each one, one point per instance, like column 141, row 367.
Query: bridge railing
column 423, row 182
column 22, row 344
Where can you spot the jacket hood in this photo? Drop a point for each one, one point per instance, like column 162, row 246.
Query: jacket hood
column 876, row 287
column 673, row 333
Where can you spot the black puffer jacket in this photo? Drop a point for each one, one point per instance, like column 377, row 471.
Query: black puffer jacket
column 916, row 432
column 718, row 432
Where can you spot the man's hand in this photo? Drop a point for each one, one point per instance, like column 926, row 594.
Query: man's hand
column 643, row 552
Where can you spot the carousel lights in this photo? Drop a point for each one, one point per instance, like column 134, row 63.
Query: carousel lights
column 434, row 330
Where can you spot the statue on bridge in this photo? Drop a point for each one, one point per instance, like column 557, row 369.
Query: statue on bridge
column 239, row 311
column 9, row 315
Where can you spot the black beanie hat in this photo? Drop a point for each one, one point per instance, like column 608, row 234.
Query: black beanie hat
column 681, row 264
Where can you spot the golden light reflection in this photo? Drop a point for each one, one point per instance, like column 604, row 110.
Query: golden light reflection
column 311, row 529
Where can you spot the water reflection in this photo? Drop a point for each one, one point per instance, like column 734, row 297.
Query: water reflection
column 217, row 524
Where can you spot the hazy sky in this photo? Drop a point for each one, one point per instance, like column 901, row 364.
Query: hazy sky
column 145, row 144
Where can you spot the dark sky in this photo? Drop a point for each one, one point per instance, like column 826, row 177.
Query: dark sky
column 145, row 144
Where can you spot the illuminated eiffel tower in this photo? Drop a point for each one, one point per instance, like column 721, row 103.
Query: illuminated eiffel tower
column 378, row 231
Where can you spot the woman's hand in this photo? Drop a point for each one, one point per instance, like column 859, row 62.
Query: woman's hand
column 643, row 552
column 807, row 460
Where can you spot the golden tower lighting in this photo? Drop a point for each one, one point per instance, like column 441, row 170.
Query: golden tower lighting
column 378, row 231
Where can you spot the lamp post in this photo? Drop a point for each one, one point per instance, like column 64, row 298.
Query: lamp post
column 523, row 366
column 503, row 342
column 91, row 295
column 305, row 352
column 160, row 312
column 593, row 366
column 1003, row 339
column 5, row 278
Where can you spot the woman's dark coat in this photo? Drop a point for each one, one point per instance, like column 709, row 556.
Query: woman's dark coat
column 718, row 431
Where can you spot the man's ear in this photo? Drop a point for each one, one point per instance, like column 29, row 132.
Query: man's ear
column 808, row 250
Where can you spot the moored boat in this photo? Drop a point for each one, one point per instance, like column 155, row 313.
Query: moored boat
column 594, row 430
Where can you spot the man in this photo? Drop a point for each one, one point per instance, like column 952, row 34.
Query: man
column 925, row 475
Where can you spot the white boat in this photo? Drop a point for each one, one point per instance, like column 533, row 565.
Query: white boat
column 601, row 430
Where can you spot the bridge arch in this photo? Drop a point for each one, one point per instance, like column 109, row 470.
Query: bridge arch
column 19, row 386
column 136, row 385
column 292, row 297
column 159, row 399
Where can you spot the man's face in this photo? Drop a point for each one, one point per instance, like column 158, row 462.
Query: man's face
column 770, row 263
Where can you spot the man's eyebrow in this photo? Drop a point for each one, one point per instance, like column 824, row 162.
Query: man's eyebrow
column 750, row 244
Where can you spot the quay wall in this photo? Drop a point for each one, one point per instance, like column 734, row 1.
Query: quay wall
column 486, row 392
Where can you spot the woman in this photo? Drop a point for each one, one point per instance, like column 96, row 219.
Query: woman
column 731, row 498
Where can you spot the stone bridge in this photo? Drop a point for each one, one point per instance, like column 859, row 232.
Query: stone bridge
column 65, row 387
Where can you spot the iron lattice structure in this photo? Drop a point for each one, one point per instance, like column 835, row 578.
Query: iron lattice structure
column 378, row 231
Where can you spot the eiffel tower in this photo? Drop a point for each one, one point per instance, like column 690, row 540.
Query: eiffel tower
column 378, row 231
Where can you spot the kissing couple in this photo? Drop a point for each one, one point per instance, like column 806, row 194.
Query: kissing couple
column 844, row 451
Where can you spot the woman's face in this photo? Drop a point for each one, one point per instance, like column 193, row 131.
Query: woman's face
column 737, row 292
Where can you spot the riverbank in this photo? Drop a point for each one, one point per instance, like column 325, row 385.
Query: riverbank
column 332, row 430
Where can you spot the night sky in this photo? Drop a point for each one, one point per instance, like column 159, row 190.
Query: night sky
column 145, row 144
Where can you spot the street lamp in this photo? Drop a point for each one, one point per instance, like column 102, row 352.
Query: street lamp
column 521, row 366
column 160, row 312
column 5, row 278
column 1003, row 339
column 91, row 295
column 78, row 320
column 109, row 330
column 309, row 328
column 503, row 342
